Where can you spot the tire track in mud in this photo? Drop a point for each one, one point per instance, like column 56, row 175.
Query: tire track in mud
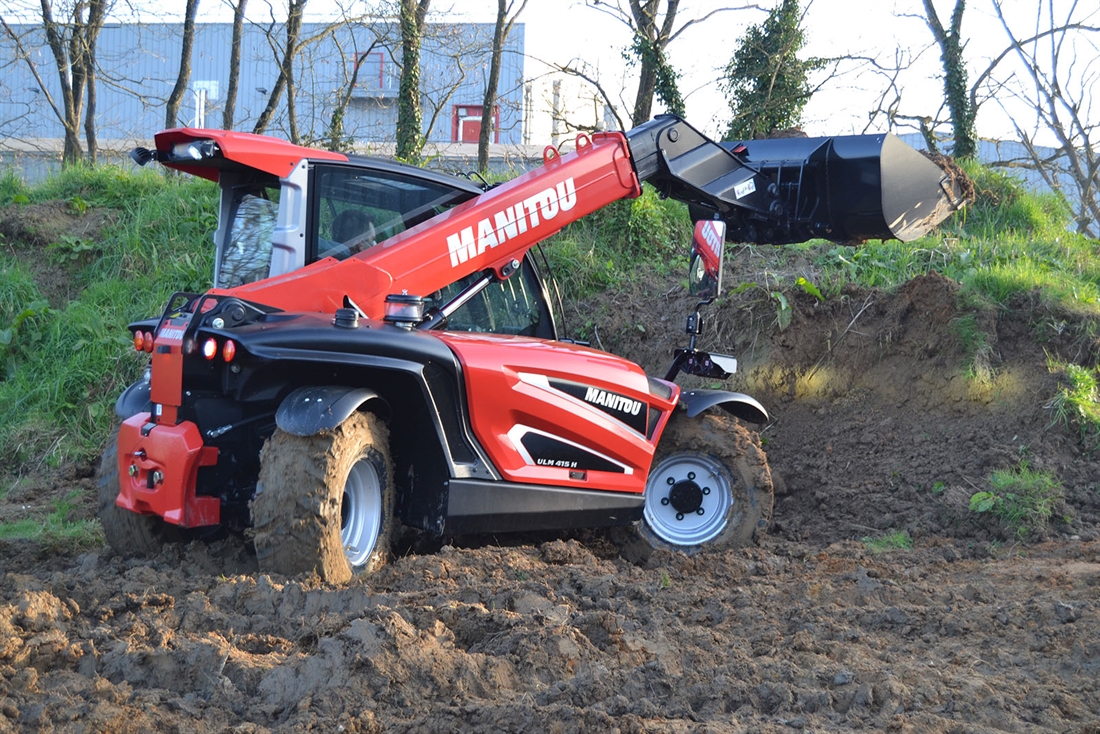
column 556, row 638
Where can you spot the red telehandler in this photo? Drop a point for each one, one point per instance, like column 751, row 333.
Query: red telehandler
column 380, row 349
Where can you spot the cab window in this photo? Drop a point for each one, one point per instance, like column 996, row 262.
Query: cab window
column 246, row 258
column 355, row 208
column 514, row 306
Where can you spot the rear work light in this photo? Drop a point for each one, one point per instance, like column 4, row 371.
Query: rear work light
column 210, row 348
column 196, row 150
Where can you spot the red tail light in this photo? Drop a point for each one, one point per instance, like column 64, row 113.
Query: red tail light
column 229, row 351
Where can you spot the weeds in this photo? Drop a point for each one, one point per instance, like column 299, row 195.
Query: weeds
column 899, row 540
column 1076, row 404
column 56, row 528
column 1022, row 499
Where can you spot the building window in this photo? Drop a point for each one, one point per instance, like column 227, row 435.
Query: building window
column 466, row 124
column 376, row 76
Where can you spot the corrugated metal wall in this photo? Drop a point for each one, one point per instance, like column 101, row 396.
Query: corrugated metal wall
column 139, row 64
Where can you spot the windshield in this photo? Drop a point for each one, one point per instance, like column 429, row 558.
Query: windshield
column 246, row 257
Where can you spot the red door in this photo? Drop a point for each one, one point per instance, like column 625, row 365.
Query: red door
column 466, row 124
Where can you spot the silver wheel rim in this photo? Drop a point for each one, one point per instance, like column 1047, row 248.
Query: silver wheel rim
column 687, row 499
column 361, row 512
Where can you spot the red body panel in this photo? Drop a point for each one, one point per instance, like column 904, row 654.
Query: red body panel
column 487, row 232
column 177, row 452
column 269, row 155
column 490, row 231
column 513, row 382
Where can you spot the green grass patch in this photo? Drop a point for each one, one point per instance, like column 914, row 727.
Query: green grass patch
column 55, row 527
column 62, row 365
column 1077, row 403
column 899, row 540
column 1022, row 499
column 612, row 244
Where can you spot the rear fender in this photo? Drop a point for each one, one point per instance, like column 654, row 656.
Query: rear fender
column 310, row 410
column 135, row 399
column 737, row 404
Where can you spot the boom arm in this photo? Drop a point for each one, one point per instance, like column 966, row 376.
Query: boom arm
column 782, row 198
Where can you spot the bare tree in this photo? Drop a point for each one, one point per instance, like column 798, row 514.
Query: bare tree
column 175, row 97
column 410, row 138
column 70, row 35
column 97, row 11
column 652, row 25
column 1056, row 80
column 285, row 79
column 230, row 109
column 506, row 18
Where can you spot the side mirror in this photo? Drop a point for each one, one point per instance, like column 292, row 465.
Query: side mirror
column 705, row 267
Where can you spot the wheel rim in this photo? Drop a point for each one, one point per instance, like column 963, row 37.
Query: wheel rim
column 687, row 499
column 361, row 512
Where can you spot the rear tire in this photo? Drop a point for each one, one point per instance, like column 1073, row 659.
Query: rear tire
column 129, row 533
column 325, row 503
column 709, row 487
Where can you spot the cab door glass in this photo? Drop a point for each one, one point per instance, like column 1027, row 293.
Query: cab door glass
column 514, row 306
column 355, row 208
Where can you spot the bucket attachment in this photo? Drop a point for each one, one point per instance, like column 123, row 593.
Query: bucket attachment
column 846, row 188
column 850, row 188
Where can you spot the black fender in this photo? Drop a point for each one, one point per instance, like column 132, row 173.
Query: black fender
column 134, row 399
column 737, row 404
column 310, row 410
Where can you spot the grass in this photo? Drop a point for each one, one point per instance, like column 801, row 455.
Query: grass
column 1076, row 403
column 55, row 528
column 898, row 540
column 1008, row 242
column 1022, row 499
column 62, row 365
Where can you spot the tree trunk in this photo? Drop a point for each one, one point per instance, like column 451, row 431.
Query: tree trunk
column 955, row 89
column 410, row 137
column 234, row 66
column 172, row 106
column 649, row 45
column 286, row 69
column 96, row 11
column 500, row 34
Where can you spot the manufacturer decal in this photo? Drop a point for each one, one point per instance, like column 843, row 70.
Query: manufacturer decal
column 512, row 221
column 742, row 190
column 169, row 332
column 619, row 403
column 543, row 449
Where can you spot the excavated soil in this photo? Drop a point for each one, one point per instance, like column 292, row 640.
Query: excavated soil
column 884, row 419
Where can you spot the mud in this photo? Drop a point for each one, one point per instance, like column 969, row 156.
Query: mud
column 883, row 421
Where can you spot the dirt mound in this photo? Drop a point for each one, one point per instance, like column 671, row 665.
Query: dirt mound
column 888, row 410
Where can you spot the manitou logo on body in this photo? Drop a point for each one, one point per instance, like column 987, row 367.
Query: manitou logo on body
column 512, row 221
column 171, row 333
column 620, row 403
column 711, row 237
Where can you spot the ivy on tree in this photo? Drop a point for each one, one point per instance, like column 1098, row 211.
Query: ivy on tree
column 765, row 81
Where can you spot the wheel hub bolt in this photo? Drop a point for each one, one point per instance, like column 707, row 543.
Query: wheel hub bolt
column 686, row 497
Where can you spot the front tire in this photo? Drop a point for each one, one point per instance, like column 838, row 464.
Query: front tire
column 325, row 503
column 129, row 533
column 709, row 487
